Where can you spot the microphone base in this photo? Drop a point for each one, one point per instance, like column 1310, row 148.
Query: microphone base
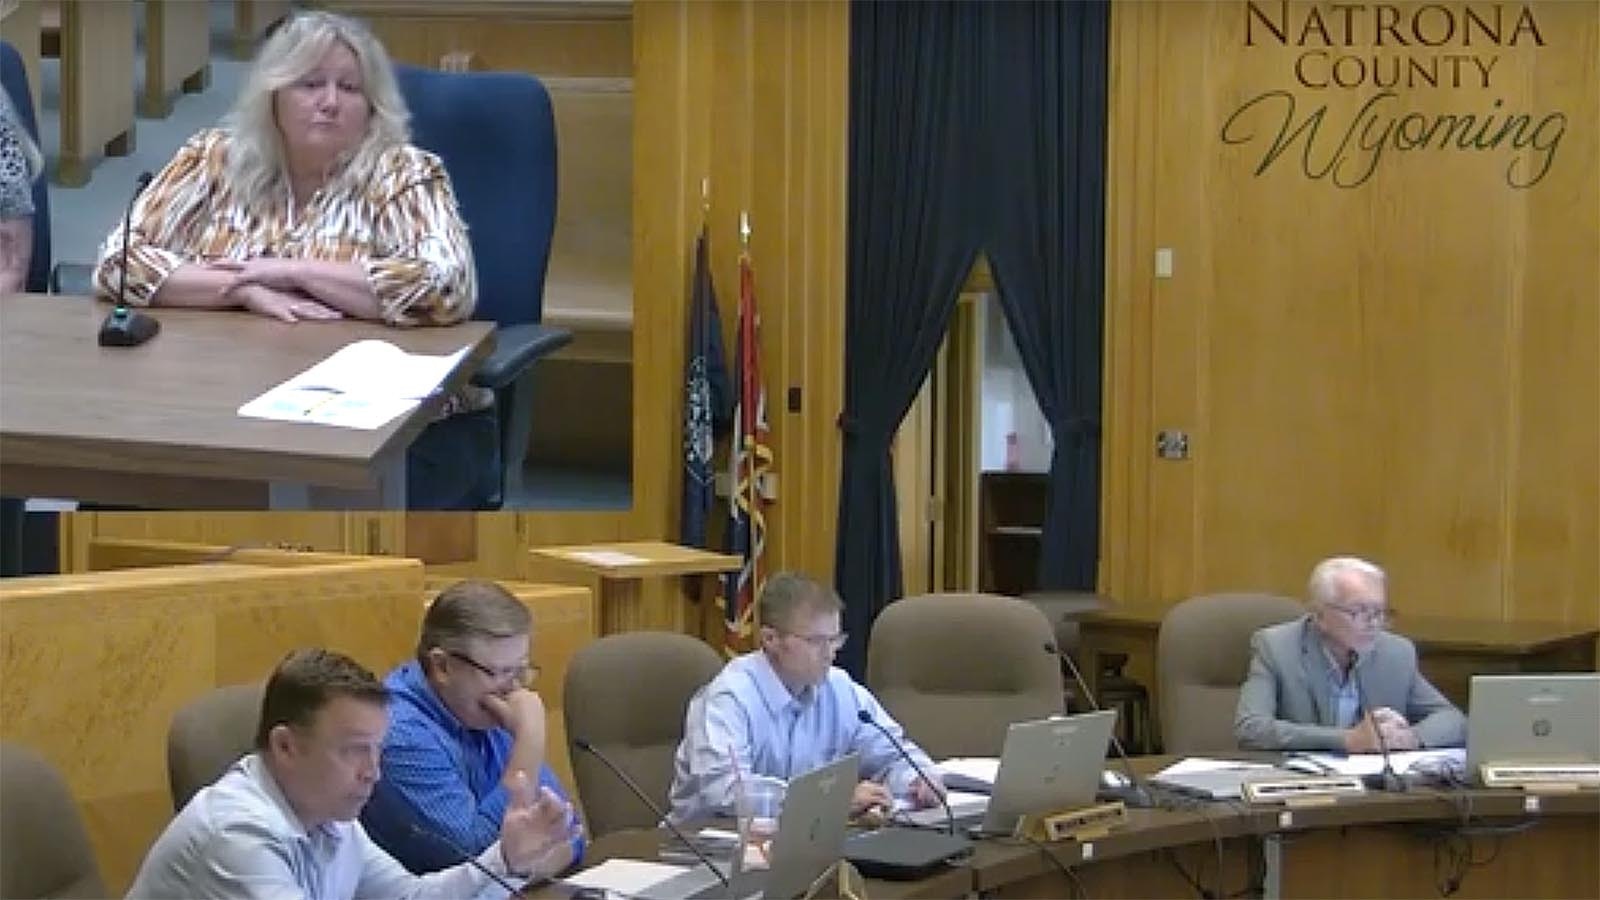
column 127, row 328
column 1385, row 781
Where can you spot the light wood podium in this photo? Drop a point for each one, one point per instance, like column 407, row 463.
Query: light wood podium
column 616, row 574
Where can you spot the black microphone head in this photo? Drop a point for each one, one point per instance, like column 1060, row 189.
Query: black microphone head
column 1051, row 649
column 583, row 745
column 864, row 715
column 143, row 181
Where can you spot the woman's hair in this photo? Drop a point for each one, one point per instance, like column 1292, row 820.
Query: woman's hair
column 30, row 150
column 255, row 165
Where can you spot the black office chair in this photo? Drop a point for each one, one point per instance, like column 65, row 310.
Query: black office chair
column 495, row 133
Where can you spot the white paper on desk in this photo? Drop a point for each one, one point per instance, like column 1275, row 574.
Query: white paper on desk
column 962, row 804
column 970, row 773
column 606, row 557
column 362, row 385
column 1194, row 764
column 1402, row 760
column 628, row 877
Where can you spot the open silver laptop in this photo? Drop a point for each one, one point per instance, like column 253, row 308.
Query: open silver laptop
column 1047, row 765
column 1533, row 719
column 810, row 838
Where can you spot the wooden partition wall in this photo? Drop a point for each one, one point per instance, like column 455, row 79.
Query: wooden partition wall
column 1380, row 331
column 93, row 665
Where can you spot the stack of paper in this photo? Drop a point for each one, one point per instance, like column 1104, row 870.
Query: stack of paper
column 975, row 774
column 363, row 385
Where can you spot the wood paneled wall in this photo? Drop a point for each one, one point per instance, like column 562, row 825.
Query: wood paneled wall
column 752, row 96
column 93, row 666
column 1392, row 352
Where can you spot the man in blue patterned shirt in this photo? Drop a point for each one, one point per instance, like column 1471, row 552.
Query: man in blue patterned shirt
column 462, row 719
column 785, row 709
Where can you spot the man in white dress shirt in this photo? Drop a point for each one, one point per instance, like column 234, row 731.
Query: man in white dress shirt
column 282, row 821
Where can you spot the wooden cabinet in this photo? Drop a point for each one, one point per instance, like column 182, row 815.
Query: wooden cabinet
column 1011, row 508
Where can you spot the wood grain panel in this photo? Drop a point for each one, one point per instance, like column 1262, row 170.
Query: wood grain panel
column 1407, row 367
column 177, row 38
column 585, row 38
column 96, row 87
column 92, row 667
column 753, row 97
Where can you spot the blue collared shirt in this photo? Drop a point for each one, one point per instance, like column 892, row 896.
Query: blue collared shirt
column 1344, row 696
column 747, row 714
column 240, row 838
column 443, row 776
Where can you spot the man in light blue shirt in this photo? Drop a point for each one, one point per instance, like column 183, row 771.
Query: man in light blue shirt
column 280, row 823
column 462, row 720
column 783, row 710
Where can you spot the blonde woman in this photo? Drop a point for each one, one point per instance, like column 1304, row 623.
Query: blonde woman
column 310, row 204
column 20, row 164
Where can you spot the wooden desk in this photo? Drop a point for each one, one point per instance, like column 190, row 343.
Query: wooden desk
column 617, row 583
column 158, row 425
column 646, row 845
column 1381, row 845
column 1449, row 651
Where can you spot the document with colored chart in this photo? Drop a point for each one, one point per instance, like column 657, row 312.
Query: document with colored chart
column 362, row 385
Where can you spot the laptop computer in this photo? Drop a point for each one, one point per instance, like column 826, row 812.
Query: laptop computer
column 1533, row 719
column 1045, row 765
column 810, row 838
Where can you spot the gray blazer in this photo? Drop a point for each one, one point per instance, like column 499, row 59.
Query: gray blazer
column 1284, row 703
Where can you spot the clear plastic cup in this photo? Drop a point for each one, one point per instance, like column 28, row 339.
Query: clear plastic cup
column 758, row 810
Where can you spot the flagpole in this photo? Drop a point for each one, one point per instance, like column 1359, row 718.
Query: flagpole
column 754, row 492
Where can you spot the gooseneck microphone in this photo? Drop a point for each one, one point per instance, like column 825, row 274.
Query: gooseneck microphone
column 661, row 817
column 468, row 858
column 949, row 817
column 125, row 327
column 1135, row 794
column 1388, row 779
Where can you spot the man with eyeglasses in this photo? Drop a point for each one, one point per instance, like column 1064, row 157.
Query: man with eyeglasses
column 1335, row 680
column 462, row 720
column 784, row 710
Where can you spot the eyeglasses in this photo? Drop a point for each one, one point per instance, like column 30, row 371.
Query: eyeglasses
column 1366, row 615
column 821, row 641
column 524, row 674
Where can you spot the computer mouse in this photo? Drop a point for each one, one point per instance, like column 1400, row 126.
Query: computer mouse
column 1113, row 781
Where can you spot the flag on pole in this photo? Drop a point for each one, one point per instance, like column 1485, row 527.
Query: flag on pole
column 705, row 399
column 749, row 458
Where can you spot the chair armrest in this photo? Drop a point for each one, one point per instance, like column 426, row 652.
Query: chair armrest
column 515, row 349
column 72, row 278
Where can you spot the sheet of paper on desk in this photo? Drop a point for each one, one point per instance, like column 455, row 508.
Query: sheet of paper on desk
column 379, row 369
column 362, row 385
column 970, row 773
column 1194, row 764
column 1402, row 760
column 606, row 557
column 627, row 877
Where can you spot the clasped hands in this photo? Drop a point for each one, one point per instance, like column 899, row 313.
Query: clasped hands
column 1396, row 732
column 273, row 287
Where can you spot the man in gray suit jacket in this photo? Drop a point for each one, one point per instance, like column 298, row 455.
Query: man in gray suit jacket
column 1335, row 680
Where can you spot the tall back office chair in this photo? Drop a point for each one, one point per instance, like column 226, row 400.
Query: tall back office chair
column 955, row 669
column 44, row 850
column 209, row 735
column 626, row 694
column 1202, row 657
column 495, row 133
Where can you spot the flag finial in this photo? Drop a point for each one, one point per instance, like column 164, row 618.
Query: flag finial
column 744, row 228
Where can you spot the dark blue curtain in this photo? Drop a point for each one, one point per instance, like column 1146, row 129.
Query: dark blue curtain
column 1046, row 115
column 914, row 217
column 972, row 126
